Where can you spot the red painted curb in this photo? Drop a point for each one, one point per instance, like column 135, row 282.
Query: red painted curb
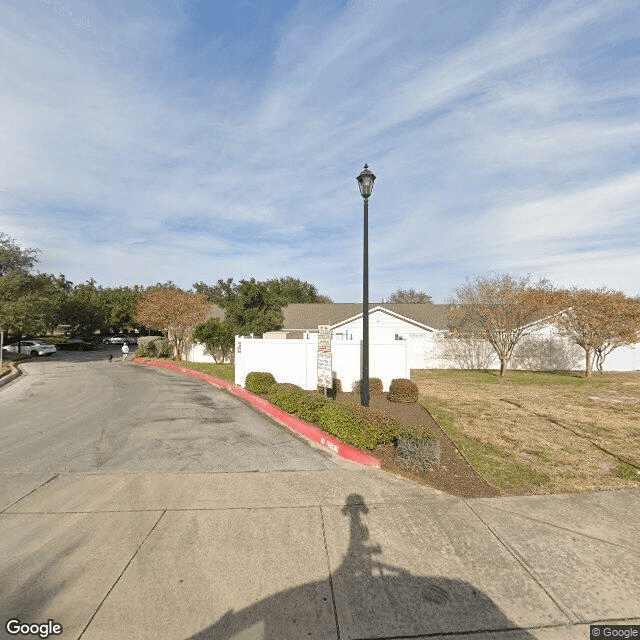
column 306, row 429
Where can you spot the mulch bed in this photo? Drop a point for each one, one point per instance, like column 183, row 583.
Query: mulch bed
column 454, row 475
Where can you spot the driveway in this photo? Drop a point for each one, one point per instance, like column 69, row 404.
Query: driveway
column 137, row 503
column 80, row 413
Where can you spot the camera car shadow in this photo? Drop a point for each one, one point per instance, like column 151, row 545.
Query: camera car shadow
column 390, row 602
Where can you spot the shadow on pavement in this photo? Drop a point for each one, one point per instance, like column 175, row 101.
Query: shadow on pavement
column 27, row 588
column 364, row 598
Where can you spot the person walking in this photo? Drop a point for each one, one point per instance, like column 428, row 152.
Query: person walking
column 125, row 351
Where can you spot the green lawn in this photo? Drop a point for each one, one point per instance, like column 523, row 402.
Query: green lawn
column 224, row 371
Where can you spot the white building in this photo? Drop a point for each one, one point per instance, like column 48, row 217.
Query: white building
column 401, row 337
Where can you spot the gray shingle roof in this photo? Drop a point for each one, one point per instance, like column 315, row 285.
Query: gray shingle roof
column 307, row 316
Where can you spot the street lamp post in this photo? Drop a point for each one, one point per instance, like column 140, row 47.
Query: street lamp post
column 365, row 183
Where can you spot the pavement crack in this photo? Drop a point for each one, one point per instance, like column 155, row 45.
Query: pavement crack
column 57, row 475
column 135, row 553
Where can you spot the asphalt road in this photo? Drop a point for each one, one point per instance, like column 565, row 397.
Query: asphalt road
column 80, row 413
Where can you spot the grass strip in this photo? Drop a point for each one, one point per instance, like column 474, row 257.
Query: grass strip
column 495, row 464
column 224, row 371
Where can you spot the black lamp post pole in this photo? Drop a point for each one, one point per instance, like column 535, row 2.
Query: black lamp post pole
column 365, row 184
column 364, row 389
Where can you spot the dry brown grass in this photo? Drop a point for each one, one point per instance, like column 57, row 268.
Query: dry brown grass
column 541, row 432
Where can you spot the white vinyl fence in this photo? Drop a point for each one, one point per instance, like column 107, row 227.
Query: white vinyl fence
column 295, row 361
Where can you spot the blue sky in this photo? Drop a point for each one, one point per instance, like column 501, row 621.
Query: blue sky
column 192, row 140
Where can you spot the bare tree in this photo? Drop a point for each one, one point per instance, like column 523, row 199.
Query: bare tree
column 501, row 309
column 174, row 312
column 464, row 352
column 546, row 353
column 599, row 321
column 410, row 296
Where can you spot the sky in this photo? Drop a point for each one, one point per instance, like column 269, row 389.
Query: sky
column 192, row 140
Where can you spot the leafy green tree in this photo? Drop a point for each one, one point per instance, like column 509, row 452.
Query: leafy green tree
column 84, row 308
column 57, row 289
column 217, row 337
column 29, row 304
column 289, row 290
column 119, row 304
column 221, row 293
column 14, row 258
column 253, row 306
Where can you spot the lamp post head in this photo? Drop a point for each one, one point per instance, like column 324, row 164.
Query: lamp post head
column 365, row 182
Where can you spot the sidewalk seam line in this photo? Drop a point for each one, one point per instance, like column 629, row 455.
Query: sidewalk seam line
column 572, row 617
column 135, row 553
column 230, row 508
column 57, row 475
column 557, row 526
column 326, row 553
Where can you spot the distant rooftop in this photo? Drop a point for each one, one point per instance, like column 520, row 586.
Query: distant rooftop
column 307, row 316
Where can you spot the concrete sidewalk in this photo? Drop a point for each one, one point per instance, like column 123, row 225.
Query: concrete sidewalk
column 345, row 553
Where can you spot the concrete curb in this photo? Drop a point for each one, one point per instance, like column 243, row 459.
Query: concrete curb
column 306, row 429
column 10, row 376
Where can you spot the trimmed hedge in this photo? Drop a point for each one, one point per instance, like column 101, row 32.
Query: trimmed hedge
column 293, row 399
column 287, row 396
column 360, row 426
column 375, row 387
column 418, row 449
column 311, row 407
column 402, row 390
column 259, row 381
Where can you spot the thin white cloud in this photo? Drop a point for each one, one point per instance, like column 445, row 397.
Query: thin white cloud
column 495, row 139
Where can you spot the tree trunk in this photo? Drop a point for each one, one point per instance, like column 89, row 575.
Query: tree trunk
column 588, row 363
column 503, row 367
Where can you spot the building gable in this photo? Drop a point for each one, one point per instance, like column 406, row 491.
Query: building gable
column 376, row 311
column 307, row 316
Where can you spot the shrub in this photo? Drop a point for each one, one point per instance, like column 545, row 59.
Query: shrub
column 142, row 352
column 359, row 426
column 375, row 387
column 402, row 390
column 289, row 397
column 293, row 399
column 153, row 347
column 143, row 341
column 418, row 449
column 311, row 406
column 259, row 381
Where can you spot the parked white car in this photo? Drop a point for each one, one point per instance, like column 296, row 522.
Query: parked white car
column 120, row 340
column 31, row 348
